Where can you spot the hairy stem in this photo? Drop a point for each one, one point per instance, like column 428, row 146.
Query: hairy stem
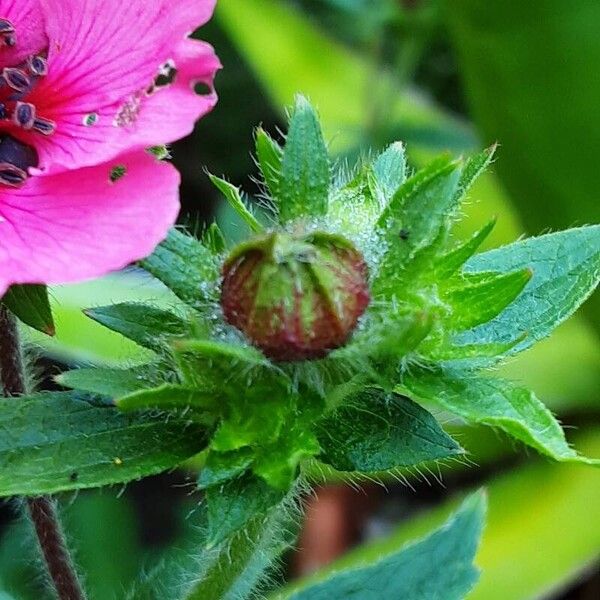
column 41, row 510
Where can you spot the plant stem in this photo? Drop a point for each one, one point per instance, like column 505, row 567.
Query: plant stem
column 41, row 510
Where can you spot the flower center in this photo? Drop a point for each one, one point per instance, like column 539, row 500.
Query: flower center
column 16, row 83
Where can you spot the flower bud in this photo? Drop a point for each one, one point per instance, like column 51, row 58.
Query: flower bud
column 295, row 298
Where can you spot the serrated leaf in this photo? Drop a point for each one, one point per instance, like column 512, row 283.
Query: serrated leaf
column 186, row 267
column 109, row 382
column 376, row 431
column 172, row 397
column 479, row 301
column 232, row 505
column 270, row 155
column 85, row 443
column 233, row 196
column 146, row 325
column 450, row 263
column 30, row 304
column 389, row 171
column 414, row 220
column 566, row 269
column 438, row 566
column 496, row 403
column 305, row 168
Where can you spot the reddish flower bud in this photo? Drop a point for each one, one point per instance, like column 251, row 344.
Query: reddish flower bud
column 295, row 298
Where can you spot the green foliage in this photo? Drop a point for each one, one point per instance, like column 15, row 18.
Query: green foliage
column 232, row 194
column 31, row 305
column 438, row 566
column 431, row 298
column 85, row 442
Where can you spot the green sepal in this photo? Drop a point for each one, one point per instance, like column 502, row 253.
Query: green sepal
column 389, row 173
column 376, row 431
column 31, row 305
column 473, row 167
column 233, row 196
column 146, row 325
column 477, row 300
column 449, row 263
column 270, row 156
column 305, row 168
column 186, row 267
column 214, row 240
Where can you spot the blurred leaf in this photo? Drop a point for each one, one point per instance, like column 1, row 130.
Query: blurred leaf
column 213, row 239
column 566, row 269
column 538, row 536
column 84, row 443
column 234, row 504
column 185, row 266
column 527, row 69
column 31, row 305
column 375, row 431
column 438, row 566
column 146, row 325
column 496, row 403
column 305, row 169
column 169, row 396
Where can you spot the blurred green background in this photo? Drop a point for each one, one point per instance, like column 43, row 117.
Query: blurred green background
column 439, row 75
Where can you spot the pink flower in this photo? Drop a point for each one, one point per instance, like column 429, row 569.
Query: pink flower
column 86, row 86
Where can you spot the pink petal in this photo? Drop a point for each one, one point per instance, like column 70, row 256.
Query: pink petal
column 28, row 19
column 104, row 54
column 79, row 224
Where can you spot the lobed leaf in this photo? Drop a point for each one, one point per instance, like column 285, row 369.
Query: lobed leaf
column 146, row 325
column 186, row 267
column 85, row 443
column 305, row 169
column 31, row 305
column 496, row 403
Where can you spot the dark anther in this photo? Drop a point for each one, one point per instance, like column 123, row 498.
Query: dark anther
column 7, row 33
column 15, row 160
column 24, row 115
column 3, row 111
column 38, row 65
column 16, row 79
column 166, row 76
column 44, row 126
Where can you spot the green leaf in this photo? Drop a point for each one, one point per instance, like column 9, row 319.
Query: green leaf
column 389, row 170
column 186, row 267
column 270, row 155
column 232, row 194
column 450, row 263
column 170, row 396
column 221, row 466
column 30, row 304
column 566, row 269
column 146, row 325
column 480, row 299
column 496, row 403
column 305, row 169
column 414, row 220
column 438, row 566
column 109, row 382
column 234, row 504
column 376, row 431
column 85, row 443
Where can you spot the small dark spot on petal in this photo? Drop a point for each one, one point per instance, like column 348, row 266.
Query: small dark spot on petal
column 202, row 89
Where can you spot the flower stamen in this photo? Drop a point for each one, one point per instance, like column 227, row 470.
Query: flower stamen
column 7, row 34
